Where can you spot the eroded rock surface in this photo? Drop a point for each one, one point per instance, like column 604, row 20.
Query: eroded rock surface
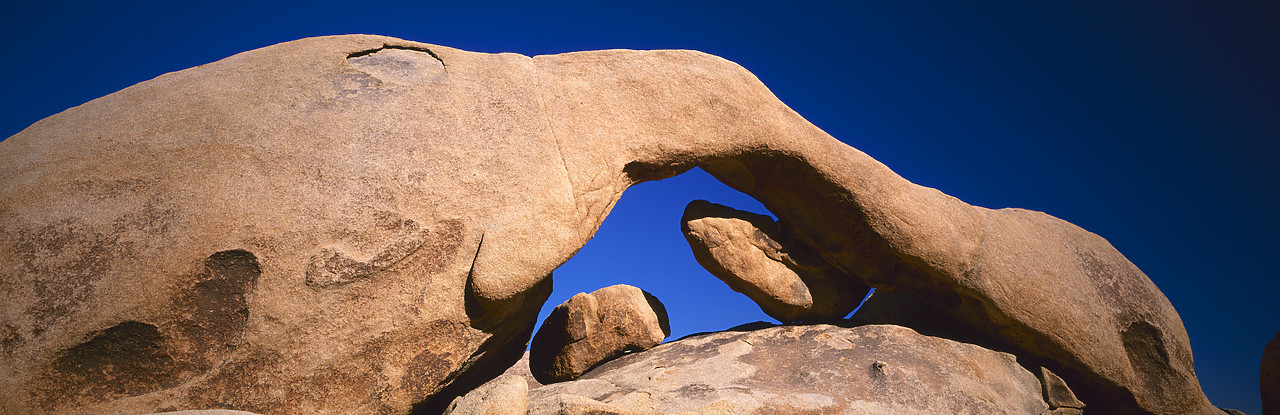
column 745, row 251
column 1056, row 392
column 805, row 369
column 405, row 205
column 591, row 328
column 205, row 412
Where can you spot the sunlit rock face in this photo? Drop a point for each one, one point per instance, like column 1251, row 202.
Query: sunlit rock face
column 363, row 224
column 751, row 253
column 591, row 328
column 805, row 369
column 505, row 395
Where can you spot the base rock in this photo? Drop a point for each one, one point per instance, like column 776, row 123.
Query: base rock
column 876, row 369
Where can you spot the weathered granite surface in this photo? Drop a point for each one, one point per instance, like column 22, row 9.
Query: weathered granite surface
column 805, row 369
column 363, row 224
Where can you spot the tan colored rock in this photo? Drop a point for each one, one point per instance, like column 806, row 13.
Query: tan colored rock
column 355, row 224
column 745, row 251
column 205, row 412
column 1269, row 377
column 566, row 404
column 521, row 369
column 590, row 329
column 809, row 369
column 1068, row 411
column 1056, row 392
column 506, row 395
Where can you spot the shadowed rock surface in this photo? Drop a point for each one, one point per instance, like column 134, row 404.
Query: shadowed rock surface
column 521, row 369
column 806, row 369
column 363, row 224
column 506, row 395
column 1056, row 392
column 595, row 327
column 745, row 251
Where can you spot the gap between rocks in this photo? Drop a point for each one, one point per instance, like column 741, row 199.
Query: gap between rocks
column 640, row 244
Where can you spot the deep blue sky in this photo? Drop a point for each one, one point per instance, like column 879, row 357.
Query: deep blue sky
column 1153, row 124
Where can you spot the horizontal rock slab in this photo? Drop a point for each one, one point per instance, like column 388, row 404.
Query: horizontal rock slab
column 876, row 369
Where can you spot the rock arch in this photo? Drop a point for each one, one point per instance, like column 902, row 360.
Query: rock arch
column 318, row 151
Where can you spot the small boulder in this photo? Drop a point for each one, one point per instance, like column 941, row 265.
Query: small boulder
column 747, row 252
column 506, row 395
column 589, row 329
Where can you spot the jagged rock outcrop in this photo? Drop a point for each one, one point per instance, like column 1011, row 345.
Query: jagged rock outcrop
column 1057, row 394
column 805, row 369
column 742, row 249
column 1269, row 377
column 363, row 224
column 591, row 328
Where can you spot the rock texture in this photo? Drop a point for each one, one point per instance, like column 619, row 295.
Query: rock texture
column 805, row 369
column 205, row 412
column 1056, row 392
column 589, row 329
column 506, row 395
column 1269, row 377
column 363, row 224
column 521, row 370
column 743, row 249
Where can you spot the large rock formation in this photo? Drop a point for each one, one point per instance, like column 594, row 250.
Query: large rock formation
column 743, row 250
column 591, row 328
column 806, row 369
column 362, row 224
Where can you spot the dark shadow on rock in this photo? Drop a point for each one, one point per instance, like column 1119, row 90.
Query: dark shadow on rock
column 507, row 347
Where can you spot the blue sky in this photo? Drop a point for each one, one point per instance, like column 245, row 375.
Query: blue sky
column 1153, row 124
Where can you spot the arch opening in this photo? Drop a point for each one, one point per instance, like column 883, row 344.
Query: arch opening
column 640, row 243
